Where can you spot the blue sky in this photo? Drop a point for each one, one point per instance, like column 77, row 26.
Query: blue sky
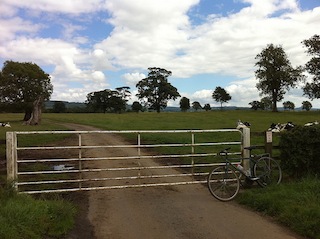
column 91, row 45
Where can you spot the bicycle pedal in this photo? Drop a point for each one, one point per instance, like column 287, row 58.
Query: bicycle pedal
column 253, row 178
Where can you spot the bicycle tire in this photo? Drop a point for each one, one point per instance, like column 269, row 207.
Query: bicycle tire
column 223, row 183
column 268, row 171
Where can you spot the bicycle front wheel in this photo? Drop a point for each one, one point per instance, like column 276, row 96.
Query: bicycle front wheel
column 223, row 183
column 268, row 171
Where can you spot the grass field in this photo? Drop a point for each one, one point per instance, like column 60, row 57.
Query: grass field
column 283, row 203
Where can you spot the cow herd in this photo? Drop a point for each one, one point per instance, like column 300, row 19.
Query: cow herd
column 275, row 127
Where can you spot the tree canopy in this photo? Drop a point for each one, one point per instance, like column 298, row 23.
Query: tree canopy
column 108, row 100
column 196, row 105
column 221, row 95
column 136, row 106
column 184, row 104
column 255, row 105
column 155, row 90
column 207, row 107
column 288, row 105
column 306, row 105
column 275, row 73
column 312, row 90
column 27, row 85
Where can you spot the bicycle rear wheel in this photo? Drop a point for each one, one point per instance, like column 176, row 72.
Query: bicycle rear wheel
column 268, row 171
column 223, row 183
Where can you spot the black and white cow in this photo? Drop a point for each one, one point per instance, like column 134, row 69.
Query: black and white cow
column 311, row 123
column 281, row 127
column 5, row 124
column 242, row 125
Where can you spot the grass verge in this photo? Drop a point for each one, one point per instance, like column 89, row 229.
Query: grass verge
column 22, row 216
column 294, row 204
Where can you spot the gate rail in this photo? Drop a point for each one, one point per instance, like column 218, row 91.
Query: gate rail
column 34, row 181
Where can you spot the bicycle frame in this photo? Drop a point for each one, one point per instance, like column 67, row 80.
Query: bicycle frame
column 252, row 160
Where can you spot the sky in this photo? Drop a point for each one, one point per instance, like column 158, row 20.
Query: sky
column 92, row 45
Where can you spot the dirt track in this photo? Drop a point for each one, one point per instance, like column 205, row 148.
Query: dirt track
column 165, row 212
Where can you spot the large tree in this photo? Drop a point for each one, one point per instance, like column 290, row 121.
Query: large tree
column 207, row 107
column 155, row 90
column 27, row 85
column 136, row 106
column 306, row 105
column 288, row 105
column 106, row 100
column 221, row 95
column 196, row 105
column 312, row 90
column 184, row 104
column 275, row 73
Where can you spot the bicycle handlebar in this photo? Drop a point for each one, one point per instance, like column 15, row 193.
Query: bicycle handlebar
column 225, row 151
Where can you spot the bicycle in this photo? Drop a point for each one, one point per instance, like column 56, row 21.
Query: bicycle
column 224, row 181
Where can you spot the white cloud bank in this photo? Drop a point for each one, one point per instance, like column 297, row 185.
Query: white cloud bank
column 146, row 33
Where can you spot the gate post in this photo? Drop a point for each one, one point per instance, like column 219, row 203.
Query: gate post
column 11, row 151
column 246, row 143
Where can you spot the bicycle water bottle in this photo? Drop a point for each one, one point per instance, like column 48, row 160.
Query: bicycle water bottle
column 241, row 168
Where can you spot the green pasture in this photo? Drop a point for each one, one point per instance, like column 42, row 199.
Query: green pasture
column 283, row 203
column 260, row 122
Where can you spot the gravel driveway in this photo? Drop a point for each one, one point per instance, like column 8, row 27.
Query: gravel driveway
column 163, row 212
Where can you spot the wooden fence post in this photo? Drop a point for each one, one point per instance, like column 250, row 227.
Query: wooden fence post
column 268, row 142
column 246, row 143
column 11, row 151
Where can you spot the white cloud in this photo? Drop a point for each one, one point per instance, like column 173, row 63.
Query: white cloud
column 9, row 28
column 151, row 37
column 132, row 79
column 242, row 92
column 100, row 60
column 98, row 76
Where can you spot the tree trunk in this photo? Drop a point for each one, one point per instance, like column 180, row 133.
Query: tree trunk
column 35, row 118
column 28, row 111
column 274, row 102
column 27, row 115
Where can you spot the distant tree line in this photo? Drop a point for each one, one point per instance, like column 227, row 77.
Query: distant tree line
column 275, row 76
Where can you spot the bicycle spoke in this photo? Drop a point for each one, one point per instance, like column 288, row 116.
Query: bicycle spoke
column 223, row 183
column 268, row 171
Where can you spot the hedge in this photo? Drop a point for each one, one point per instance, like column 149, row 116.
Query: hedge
column 300, row 151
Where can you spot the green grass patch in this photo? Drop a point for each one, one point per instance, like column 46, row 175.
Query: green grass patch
column 295, row 204
column 22, row 216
